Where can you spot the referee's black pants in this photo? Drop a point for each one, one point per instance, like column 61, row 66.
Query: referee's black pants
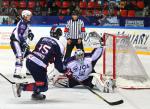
column 71, row 46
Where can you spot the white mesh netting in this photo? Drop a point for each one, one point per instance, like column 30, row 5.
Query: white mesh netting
column 122, row 63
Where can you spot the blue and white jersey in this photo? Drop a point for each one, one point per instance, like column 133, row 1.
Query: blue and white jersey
column 21, row 31
column 48, row 50
column 81, row 70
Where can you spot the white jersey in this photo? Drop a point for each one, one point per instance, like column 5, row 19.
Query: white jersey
column 82, row 70
column 21, row 31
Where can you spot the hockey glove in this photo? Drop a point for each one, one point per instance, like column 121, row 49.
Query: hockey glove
column 25, row 47
column 30, row 35
column 68, row 73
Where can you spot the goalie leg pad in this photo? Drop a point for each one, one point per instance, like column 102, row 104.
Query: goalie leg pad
column 109, row 85
column 106, row 86
column 97, row 82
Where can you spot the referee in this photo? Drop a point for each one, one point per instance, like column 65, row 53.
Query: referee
column 74, row 33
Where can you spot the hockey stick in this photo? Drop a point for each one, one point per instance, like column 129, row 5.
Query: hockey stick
column 12, row 83
column 25, row 50
column 24, row 53
column 110, row 103
column 7, row 79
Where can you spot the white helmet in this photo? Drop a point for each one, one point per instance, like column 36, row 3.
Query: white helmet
column 26, row 13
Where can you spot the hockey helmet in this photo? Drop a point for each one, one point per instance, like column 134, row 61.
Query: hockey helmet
column 26, row 13
column 55, row 32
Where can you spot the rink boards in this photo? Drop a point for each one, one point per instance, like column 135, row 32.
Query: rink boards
column 139, row 37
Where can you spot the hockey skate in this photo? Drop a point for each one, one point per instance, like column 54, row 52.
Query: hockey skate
column 38, row 96
column 18, row 74
column 17, row 89
column 28, row 73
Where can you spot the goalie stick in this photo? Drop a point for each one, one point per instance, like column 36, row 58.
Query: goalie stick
column 110, row 103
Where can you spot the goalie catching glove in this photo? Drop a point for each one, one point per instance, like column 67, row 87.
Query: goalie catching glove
column 94, row 40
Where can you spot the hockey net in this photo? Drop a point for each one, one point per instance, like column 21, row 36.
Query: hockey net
column 121, row 63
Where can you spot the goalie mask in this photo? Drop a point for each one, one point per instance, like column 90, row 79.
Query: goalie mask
column 55, row 32
column 79, row 55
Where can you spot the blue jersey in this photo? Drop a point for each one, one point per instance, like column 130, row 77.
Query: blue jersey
column 20, row 33
column 49, row 50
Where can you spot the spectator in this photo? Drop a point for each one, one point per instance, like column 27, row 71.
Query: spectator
column 13, row 10
column 72, row 7
column 45, row 10
column 37, row 10
column 113, row 9
column 4, row 10
column 0, row 3
column 50, row 2
column 78, row 9
column 54, row 9
column 130, row 6
column 146, row 11
column 4, row 20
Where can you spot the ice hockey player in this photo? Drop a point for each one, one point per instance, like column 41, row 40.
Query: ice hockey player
column 82, row 68
column 47, row 50
column 18, row 41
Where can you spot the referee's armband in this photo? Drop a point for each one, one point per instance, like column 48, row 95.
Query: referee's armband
column 66, row 30
column 83, row 29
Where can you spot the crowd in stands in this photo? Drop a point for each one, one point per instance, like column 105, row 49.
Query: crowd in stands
column 124, row 8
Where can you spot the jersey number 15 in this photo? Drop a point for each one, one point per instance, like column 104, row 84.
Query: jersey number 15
column 44, row 48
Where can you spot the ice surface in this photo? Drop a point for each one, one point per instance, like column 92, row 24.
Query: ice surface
column 67, row 98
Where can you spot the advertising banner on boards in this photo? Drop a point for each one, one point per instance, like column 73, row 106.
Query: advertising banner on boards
column 140, row 38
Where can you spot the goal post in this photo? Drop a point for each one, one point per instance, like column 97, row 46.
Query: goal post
column 121, row 63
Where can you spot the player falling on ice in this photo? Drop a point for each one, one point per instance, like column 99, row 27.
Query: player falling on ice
column 18, row 42
column 47, row 50
column 82, row 68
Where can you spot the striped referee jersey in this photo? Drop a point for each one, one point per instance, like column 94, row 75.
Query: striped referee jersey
column 74, row 29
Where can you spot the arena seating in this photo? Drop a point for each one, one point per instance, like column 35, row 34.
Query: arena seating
column 86, row 7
